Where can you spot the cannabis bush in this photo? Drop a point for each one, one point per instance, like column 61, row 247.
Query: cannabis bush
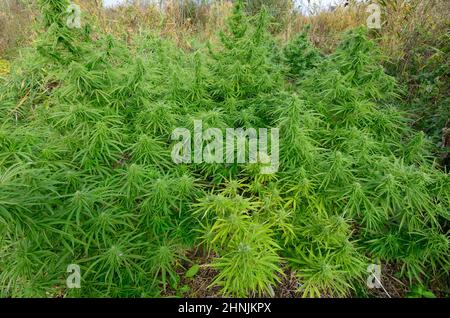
column 86, row 175
column 300, row 55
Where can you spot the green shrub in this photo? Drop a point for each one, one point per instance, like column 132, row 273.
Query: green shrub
column 300, row 55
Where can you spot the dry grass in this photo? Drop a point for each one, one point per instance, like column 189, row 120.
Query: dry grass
column 16, row 20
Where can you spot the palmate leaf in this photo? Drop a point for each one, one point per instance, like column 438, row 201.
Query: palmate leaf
column 300, row 55
column 251, row 264
column 157, row 119
column 104, row 223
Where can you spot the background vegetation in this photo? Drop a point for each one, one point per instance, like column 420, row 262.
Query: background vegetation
column 413, row 39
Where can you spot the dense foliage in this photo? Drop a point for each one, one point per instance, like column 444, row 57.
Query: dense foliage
column 86, row 175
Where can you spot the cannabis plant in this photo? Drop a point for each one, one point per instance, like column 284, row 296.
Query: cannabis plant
column 86, row 176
